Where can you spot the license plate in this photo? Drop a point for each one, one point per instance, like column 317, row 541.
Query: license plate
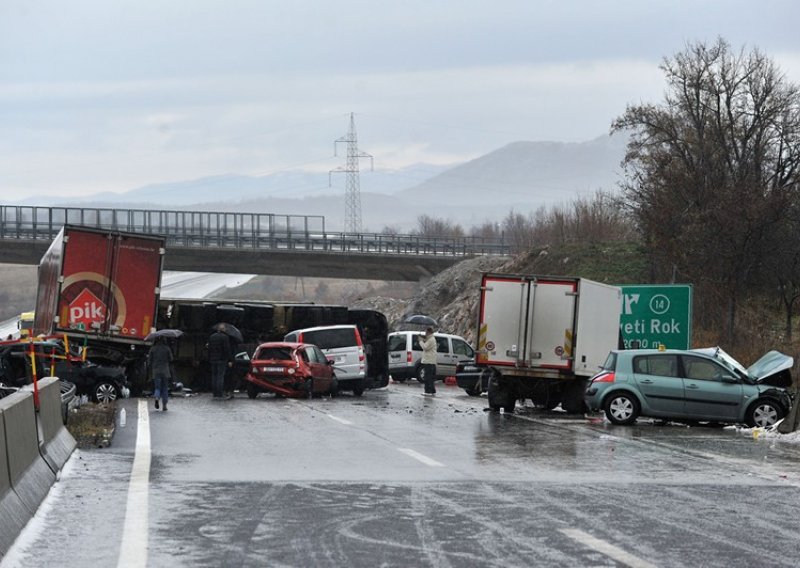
column 273, row 369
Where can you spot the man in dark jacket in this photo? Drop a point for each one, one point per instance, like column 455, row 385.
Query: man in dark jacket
column 220, row 355
column 160, row 360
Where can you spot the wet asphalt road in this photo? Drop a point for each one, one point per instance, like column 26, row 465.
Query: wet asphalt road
column 397, row 479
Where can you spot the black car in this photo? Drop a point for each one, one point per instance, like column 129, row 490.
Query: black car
column 101, row 383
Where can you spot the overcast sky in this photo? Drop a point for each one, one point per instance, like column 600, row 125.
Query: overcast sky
column 109, row 95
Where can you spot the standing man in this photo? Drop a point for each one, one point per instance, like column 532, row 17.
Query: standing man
column 220, row 355
column 428, row 368
column 160, row 360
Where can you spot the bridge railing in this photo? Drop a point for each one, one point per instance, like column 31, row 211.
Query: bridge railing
column 234, row 230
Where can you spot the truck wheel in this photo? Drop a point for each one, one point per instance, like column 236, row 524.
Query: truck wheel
column 252, row 390
column 500, row 395
column 509, row 408
column 572, row 400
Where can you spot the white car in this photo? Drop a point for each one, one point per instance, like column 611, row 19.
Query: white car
column 405, row 354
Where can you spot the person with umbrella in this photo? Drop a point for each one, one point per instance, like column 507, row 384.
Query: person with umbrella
column 220, row 356
column 160, row 360
column 428, row 361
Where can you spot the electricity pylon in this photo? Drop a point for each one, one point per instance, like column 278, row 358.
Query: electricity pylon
column 352, row 191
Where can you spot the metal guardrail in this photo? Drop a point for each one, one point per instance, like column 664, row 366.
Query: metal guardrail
column 208, row 229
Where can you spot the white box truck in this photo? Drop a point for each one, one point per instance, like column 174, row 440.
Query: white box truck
column 542, row 337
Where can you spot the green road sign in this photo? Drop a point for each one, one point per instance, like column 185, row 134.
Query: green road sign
column 656, row 315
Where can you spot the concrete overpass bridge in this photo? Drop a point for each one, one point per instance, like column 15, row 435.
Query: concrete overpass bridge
column 248, row 243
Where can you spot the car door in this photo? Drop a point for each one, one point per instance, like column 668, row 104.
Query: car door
column 659, row 381
column 712, row 392
column 320, row 367
column 462, row 352
column 445, row 367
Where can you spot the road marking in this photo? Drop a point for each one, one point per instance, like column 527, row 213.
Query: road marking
column 133, row 551
column 606, row 548
column 340, row 420
column 421, row 457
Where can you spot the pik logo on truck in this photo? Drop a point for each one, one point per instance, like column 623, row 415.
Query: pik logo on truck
column 87, row 309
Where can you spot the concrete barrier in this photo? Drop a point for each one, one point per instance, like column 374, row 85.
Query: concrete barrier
column 56, row 443
column 13, row 514
column 30, row 476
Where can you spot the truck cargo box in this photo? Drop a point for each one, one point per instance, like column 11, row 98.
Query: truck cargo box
column 100, row 284
column 546, row 324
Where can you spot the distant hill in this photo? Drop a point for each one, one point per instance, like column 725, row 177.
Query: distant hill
column 522, row 176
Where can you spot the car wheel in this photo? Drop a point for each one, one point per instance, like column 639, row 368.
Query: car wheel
column 763, row 413
column 419, row 372
column 105, row 393
column 358, row 390
column 252, row 390
column 310, row 387
column 474, row 391
column 334, row 390
column 622, row 408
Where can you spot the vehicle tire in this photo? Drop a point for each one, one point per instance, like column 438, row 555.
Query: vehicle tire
column 419, row 372
column 500, row 396
column 509, row 407
column 334, row 390
column 763, row 413
column 621, row 408
column 252, row 390
column 572, row 399
column 358, row 390
column 310, row 387
column 474, row 391
column 105, row 392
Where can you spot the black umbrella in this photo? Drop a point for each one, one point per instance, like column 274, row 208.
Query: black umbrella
column 420, row 319
column 165, row 333
column 230, row 330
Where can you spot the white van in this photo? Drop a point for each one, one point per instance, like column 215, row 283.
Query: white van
column 405, row 354
column 342, row 345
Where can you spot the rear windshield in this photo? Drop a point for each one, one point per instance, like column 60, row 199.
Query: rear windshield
column 397, row 343
column 331, row 338
column 274, row 353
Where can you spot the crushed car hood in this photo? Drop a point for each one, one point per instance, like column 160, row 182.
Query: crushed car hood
column 770, row 364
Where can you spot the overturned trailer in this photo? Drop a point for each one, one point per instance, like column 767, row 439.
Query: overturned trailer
column 259, row 322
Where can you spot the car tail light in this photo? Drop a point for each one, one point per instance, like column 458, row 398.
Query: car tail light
column 409, row 358
column 361, row 356
column 607, row 377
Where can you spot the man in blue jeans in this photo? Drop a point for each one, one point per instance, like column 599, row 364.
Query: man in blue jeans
column 220, row 355
column 160, row 360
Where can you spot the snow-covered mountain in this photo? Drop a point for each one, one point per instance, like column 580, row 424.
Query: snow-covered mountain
column 522, row 176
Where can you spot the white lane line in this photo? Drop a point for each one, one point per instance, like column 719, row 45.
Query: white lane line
column 340, row 420
column 421, row 457
column 606, row 548
column 133, row 551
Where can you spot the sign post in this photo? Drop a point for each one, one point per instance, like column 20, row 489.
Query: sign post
column 656, row 316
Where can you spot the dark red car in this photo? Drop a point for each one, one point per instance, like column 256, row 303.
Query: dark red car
column 296, row 370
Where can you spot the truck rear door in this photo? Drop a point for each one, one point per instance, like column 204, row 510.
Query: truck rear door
column 501, row 324
column 551, row 320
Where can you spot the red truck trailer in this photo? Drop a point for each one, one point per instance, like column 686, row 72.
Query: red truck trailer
column 101, row 288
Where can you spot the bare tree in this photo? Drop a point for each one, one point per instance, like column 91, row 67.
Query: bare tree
column 712, row 169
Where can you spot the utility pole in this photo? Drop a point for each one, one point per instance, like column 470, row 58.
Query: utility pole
column 352, row 191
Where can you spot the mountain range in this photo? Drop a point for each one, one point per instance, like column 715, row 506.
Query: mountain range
column 522, row 176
